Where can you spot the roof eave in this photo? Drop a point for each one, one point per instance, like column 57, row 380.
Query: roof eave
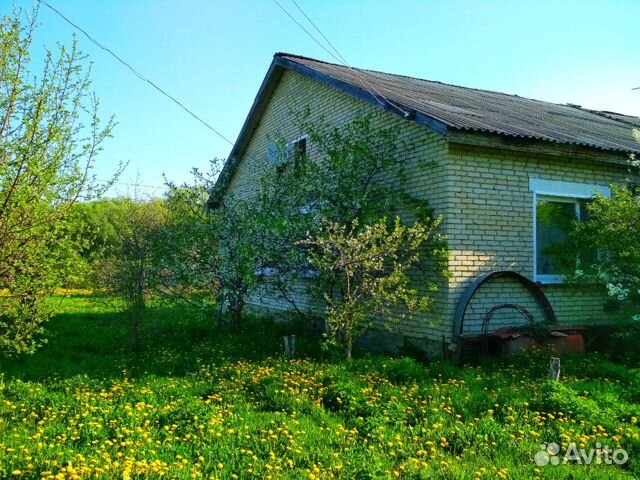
column 500, row 141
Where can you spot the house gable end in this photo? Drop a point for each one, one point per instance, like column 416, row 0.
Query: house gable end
column 278, row 66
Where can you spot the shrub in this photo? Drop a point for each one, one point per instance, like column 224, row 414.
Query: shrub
column 404, row 370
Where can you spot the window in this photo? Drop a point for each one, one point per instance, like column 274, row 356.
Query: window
column 296, row 150
column 554, row 217
column 292, row 152
column 298, row 147
column 556, row 206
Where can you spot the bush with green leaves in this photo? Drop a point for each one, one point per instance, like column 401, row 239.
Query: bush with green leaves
column 612, row 229
column 365, row 272
column 349, row 180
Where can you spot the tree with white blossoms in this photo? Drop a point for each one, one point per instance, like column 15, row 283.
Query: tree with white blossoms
column 613, row 228
column 238, row 254
column 364, row 271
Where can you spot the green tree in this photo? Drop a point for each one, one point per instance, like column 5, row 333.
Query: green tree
column 189, row 257
column 613, row 229
column 219, row 251
column 353, row 180
column 359, row 173
column 238, row 254
column 50, row 134
column 364, row 272
column 130, row 269
column 94, row 233
column 334, row 205
column 347, row 179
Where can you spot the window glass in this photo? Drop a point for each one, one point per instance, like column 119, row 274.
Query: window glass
column 300, row 148
column 299, row 152
column 553, row 223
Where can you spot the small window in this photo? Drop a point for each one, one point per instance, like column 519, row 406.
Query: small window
column 289, row 154
column 266, row 272
column 299, row 147
column 296, row 151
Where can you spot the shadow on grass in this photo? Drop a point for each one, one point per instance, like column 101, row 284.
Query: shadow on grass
column 91, row 337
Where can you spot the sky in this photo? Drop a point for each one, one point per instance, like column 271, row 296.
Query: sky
column 212, row 55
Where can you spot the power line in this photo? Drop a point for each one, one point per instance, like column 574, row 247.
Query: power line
column 127, row 184
column 111, row 183
column 342, row 58
column 338, row 56
column 315, row 39
column 136, row 73
column 320, row 32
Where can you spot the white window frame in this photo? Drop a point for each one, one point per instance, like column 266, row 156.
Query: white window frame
column 559, row 191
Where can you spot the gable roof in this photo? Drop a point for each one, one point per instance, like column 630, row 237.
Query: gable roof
column 443, row 108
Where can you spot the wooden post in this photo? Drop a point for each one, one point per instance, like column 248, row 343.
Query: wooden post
column 289, row 346
column 554, row 368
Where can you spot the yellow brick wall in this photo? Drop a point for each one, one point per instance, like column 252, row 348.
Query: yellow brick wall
column 425, row 167
column 483, row 194
column 490, row 226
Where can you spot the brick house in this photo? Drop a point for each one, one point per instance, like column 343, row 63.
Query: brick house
column 499, row 165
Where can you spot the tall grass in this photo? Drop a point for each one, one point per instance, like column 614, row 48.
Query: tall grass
column 200, row 402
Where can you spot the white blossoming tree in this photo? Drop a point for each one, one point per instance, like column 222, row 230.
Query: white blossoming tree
column 613, row 229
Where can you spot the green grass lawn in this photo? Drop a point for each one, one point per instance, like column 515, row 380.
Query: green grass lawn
column 200, row 402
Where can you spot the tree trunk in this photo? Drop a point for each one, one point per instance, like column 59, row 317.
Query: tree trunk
column 348, row 347
column 236, row 318
column 138, row 309
column 136, row 332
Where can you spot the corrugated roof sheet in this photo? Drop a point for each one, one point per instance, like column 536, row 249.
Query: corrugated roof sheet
column 476, row 110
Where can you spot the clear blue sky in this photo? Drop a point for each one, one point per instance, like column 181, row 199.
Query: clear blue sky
column 213, row 54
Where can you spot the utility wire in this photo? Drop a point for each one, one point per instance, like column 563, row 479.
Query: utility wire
column 136, row 73
column 333, row 55
column 342, row 59
column 320, row 32
column 127, row 184
column 338, row 56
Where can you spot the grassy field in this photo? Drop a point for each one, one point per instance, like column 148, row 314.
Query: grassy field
column 202, row 403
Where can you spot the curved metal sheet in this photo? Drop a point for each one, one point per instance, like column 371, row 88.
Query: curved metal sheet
column 535, row 291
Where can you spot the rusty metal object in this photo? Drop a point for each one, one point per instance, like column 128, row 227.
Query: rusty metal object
column 470, row 347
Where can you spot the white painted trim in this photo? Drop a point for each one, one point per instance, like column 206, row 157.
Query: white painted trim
column 560, row 188
column 304, row 136
column 289, row 146
column 547, row 279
